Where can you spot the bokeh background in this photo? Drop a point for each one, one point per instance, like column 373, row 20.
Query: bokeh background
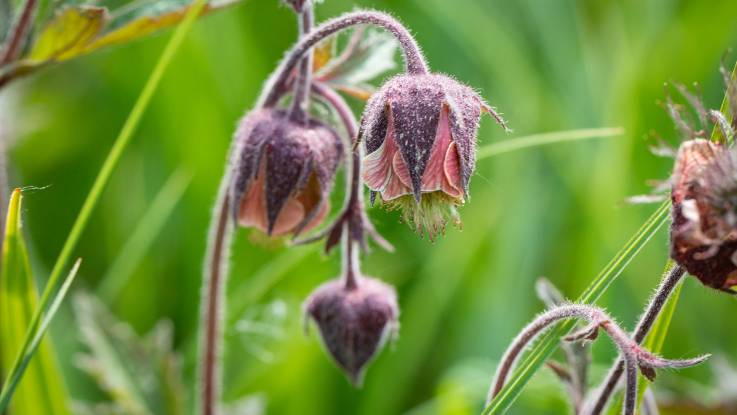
column 556, row 211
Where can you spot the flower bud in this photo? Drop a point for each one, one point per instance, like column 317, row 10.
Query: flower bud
column 354, row 322
column 420, row 138
column 704, row 198
column 283, row 172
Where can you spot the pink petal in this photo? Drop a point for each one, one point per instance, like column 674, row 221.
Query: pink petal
column 377, row 166
column 252, row 211
column 435, row 178
column 401, row 170
column 395, row 187
column 452, row 166
column 291, row 215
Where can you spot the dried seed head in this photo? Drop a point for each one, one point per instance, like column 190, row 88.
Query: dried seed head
column 354, row 322
column 283, row 172
column 420, row 138
column 704, row 197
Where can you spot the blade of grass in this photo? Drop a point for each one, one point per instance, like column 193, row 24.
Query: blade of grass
column 547, row 345
column 16, row 373
column 43, row 389
column 143, row 235
column 106, row 171
column 534, row 140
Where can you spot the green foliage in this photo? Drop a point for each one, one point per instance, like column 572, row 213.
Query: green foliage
column 554, row 210
column 42, row 390
column 141, row 375
column 76, row 30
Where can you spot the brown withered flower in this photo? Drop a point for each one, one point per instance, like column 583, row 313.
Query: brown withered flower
column 419, row 132
column 704, row 197
column 355, row 321
column 283, row 172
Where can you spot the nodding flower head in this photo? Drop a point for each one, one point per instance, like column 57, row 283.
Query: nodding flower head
column 283, row 172
column 420, row 138
column 704, row 197
column 354, row 321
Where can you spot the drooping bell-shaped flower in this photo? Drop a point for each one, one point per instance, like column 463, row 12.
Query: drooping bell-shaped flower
column 283, row 172
column 419, row 132
column 704, row 198
column 354, row 321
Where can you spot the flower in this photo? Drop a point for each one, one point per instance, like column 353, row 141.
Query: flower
column 354, row 321
column 420, row 139
column 283, row 172
column 704, row 198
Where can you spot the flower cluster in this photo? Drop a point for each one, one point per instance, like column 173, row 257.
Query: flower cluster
column 415, row 148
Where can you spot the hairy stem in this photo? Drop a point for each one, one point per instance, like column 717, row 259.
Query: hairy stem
column 633, row 355
column 18, row 33
column 301, row 98
column 213, row 299
column 667, row 285
column 353, row 211
column 414, row 60
column 596, row 318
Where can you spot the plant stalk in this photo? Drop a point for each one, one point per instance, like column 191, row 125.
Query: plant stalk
column 414, row 60
column 213, row 299
column 668, row 284
column 18, row 33
column 301, row 98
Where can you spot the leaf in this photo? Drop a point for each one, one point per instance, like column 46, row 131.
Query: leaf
column 141, row 375
column 42, row 390
column 76, row 30
column 145, row 17
column 68, row 34
column 366, row 57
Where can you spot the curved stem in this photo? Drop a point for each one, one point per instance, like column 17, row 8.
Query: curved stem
column 667, row 285
column 414, row 60
column 212, row 303
column 597, row 318
column 633, row 355
column 18, row 33
column 301, row 98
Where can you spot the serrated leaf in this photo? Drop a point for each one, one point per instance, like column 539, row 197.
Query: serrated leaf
column 42, row 389
column 365, row 58
column 68, row 34
column 141, row 375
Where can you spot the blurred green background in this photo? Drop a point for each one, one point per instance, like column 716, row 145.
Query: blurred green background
column 557, row 211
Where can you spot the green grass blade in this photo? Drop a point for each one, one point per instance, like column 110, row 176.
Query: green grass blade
column 143, row 235
column 106, row 171
column 16, row 373
column 43, row 390
column 544, row 348
column 535, row 140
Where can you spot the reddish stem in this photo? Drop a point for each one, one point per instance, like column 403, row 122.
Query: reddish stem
column 18, row 33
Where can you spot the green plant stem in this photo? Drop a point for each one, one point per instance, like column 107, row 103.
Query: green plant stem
column 137, row 245
column 106, row 171
column 547, row 345
column 534, row 140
